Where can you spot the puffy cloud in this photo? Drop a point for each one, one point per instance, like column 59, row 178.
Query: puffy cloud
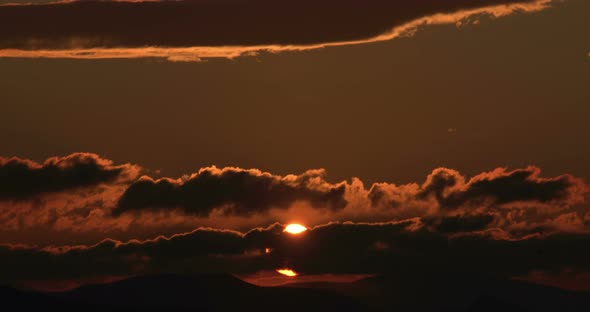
column 193, row 29
column 82, row 198
column 236, row 191
column 24, row 179
column 450, row 191
column 500, row 187
column 241, row 192
column 518, row 201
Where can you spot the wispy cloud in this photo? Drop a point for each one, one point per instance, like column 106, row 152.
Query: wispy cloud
column 191, row 30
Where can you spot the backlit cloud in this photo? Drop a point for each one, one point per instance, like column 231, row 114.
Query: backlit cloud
column 82, row 198
column 190, row 30
column 235, row 191
column 335, row 248
column 514, row 223
column 25, row 179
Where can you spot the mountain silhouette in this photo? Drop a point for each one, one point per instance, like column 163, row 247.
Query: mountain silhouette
column 224, row 292
column 218, row 292
column 454, row 292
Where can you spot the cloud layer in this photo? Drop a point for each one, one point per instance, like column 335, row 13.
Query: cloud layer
column 498, row 188
column 24, row 179
column 191, row 29
column 338, row 248
column 235, row 191
column 89, row 196
column 513, row 223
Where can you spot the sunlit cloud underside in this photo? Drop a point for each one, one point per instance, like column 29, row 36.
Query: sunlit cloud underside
column 198, row 53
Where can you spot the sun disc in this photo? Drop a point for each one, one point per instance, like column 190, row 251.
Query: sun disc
column 295, row 228
column 287, row 272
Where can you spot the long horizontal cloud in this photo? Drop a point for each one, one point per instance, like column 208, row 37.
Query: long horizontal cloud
column 190, row 29
column 497, row 198
column 24, row 179
column 237, row 191
column 360, row 248
column 46, row 203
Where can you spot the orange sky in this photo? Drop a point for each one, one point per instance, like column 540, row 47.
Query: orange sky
column 187, row 134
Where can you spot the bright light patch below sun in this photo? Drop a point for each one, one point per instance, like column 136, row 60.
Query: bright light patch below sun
column 295, row 228
column 287, row 272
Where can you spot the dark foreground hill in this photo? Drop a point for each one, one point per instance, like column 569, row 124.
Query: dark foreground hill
column 227, row 293
column 179, row 293
column 447, row 292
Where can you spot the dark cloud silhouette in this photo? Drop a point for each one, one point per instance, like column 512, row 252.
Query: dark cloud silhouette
column 210, row 23
column 236, row 191
column 462, row 223
column 246, row 192
column 78, row 198
column 510, row 189
column 403, row 246
column 114, row 258
column 23, row 179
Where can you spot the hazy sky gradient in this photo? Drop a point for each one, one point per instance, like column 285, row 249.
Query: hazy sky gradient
column 459, row 149
column 515, row 89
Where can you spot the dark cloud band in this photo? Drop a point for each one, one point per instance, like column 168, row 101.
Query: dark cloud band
column 450, row 190
column 189, row 29
column 24, row 179
column 91, row 196
column 235, row 191
column 381, row 248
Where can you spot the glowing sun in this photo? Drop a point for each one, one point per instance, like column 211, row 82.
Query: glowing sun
column 295, row 228
column 287, row 272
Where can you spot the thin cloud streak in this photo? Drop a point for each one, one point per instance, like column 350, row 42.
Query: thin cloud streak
column 86, row 49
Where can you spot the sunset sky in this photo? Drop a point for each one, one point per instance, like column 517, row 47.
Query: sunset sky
column 183, row 136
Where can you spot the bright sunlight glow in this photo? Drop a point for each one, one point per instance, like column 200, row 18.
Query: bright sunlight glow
column 287, row 272
column 295, row 228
